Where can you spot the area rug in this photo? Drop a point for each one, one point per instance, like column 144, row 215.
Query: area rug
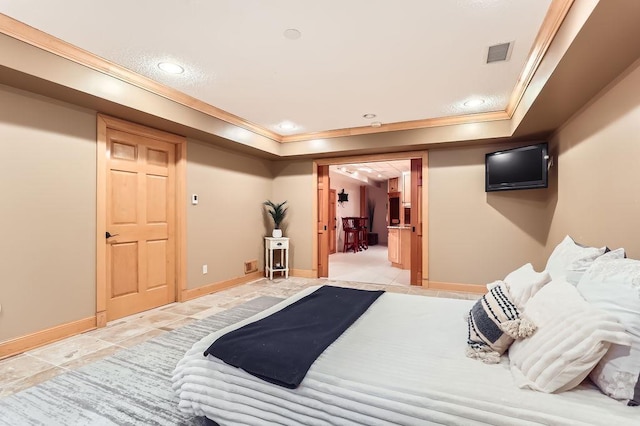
column 130, row 387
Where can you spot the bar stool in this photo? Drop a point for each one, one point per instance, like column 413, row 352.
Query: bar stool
column 363, row 233
column 351, row 235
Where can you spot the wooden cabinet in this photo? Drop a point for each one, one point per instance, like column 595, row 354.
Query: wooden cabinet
column 394, row 243
column 399, row 246
column 393, row 185
column 406, row 189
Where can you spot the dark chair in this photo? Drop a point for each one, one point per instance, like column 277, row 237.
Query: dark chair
column 351, row 234
column 363, row 232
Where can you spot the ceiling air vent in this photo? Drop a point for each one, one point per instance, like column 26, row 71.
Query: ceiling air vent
column 499, row 52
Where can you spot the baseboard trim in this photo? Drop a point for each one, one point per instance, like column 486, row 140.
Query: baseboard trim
column 467, row 288
column 304, row 273
column 194, row 293
column 50, row 335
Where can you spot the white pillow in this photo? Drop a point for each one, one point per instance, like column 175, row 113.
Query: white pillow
column 524, row 282
column 567, row 253
column 576, row 270
column 614, row 286
column 571, row 338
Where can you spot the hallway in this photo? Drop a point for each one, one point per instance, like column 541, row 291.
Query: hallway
column 368, row 266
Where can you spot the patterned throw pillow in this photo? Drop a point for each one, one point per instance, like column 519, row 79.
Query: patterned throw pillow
column 494, row 323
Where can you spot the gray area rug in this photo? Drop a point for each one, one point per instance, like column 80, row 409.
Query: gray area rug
column 131, row 387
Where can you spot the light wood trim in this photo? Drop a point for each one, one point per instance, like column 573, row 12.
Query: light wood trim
column 43, row 337
column 555, row 16
column 101, row 221
column 314, row 219
column 137, row 129
column 403, row 125
column 424, row 155
column 304, row 273
column 181, row 220
column 104, row 122
column 425, row 216
column 467, row 288
column 194, row 293
column 51, row 44
column 34, row 37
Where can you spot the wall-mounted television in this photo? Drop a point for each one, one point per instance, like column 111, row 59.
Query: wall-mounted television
column 517, row 168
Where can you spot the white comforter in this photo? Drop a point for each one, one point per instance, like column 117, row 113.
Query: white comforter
column 402, row 363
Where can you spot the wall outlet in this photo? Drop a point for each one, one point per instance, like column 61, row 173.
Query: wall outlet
column 205, row 269
column 250, row 266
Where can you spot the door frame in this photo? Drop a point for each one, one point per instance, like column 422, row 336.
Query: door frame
column 423, row 154
column 180, row 142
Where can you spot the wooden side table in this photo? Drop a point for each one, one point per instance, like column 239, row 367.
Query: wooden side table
column 281, row 265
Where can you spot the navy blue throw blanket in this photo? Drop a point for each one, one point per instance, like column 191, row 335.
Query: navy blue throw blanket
column 281, row 347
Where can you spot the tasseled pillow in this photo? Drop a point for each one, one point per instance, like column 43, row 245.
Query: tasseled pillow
column 494, row 323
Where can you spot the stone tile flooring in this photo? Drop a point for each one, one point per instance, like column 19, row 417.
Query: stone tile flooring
column 38, row 365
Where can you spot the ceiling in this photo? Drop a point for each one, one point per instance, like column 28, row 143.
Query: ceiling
column 372, row 172
column 403, row 61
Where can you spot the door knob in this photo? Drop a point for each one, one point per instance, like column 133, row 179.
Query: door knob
column 108, row 235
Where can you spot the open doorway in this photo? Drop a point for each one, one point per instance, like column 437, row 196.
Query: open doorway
column 368, row 190
column 387, row 188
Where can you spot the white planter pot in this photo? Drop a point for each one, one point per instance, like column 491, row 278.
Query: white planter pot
column 277, row 233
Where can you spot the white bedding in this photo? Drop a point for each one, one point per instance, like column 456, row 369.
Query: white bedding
column 403, row 362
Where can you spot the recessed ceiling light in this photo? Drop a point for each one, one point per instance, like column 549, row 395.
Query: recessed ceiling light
column 376, row 124
column 365, row 169
column 379, row 175
column 474, row 102
column 292, row 34
column 369, row 116
column 287, row 125
column 170, row 67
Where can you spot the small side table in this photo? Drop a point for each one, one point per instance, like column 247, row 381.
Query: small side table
column 282, row 266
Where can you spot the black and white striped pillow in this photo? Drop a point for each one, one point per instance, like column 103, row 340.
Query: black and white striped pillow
column 494, row 322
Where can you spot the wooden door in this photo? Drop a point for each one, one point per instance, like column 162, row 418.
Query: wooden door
column 416, row 221
column 141, row 217
column 323, row 221
column 333, row 225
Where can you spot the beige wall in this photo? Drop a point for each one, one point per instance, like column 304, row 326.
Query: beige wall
column 47, row 182
column 477, row 237
column 227, row 226
column 293, row 181
column 48, row 213
column 599, row 170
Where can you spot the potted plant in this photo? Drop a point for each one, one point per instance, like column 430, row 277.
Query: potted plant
column 277, row 212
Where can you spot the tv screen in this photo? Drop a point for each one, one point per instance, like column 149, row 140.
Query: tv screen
column 518, row 168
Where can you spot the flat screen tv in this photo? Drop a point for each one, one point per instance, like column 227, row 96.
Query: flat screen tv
column 518, row 168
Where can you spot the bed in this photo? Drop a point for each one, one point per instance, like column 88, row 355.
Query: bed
column 402, row 362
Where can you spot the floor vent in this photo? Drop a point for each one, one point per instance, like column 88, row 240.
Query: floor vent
column 499, row 52
column 250, row 266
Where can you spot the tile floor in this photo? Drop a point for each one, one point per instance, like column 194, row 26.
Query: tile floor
column 368, row 266
column 30, row 368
